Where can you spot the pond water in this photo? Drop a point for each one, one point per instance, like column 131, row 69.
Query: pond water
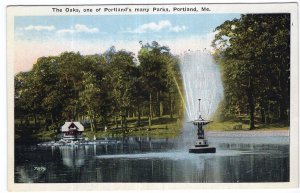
column 135, row 159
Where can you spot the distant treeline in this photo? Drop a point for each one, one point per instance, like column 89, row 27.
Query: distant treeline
column 254, row 54
column 99, row 89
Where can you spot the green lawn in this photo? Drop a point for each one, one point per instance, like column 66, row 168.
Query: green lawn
column 241, row 126
column 162, row 127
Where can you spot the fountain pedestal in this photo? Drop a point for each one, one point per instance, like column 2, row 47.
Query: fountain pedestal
column 201, row 145
column 202, row 150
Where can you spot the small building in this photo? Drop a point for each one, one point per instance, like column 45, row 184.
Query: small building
column 72, row 130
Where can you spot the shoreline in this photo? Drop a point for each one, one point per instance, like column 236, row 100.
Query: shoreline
column 253, row 133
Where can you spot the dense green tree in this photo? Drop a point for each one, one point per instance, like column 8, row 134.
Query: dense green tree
column 99, row 90
column 70, row 66
column 22, row 107
column 89, row 97
column 154, row 61
column 122, row 74
column 254, row 55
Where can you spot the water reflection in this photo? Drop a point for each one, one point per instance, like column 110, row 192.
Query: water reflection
column 72, row 156
column 153, row 160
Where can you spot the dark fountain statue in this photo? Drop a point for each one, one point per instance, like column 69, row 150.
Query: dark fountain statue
column 201, row 145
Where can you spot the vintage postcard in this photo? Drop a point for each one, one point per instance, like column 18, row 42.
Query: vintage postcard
column 152, row 96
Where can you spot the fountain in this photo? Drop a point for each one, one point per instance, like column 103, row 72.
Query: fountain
column 201, row 145
column 201, row 79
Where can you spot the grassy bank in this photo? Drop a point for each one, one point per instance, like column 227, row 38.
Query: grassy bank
column 240, row 126
column 162, row 127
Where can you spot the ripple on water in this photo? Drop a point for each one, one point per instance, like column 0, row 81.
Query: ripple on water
column 173, row 155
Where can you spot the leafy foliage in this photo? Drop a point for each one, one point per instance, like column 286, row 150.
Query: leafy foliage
column 254, row 54
column 98, row 90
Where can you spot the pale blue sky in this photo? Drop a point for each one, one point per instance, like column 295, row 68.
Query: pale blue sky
column 125, row 27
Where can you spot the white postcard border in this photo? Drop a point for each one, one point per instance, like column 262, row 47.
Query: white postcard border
column 216, row 8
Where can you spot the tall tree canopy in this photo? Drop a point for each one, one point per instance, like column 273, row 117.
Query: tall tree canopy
column 98, row 89
column 160, row 71
column 254, row 54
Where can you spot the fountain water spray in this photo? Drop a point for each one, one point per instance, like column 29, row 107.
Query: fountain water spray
column 201, row 79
